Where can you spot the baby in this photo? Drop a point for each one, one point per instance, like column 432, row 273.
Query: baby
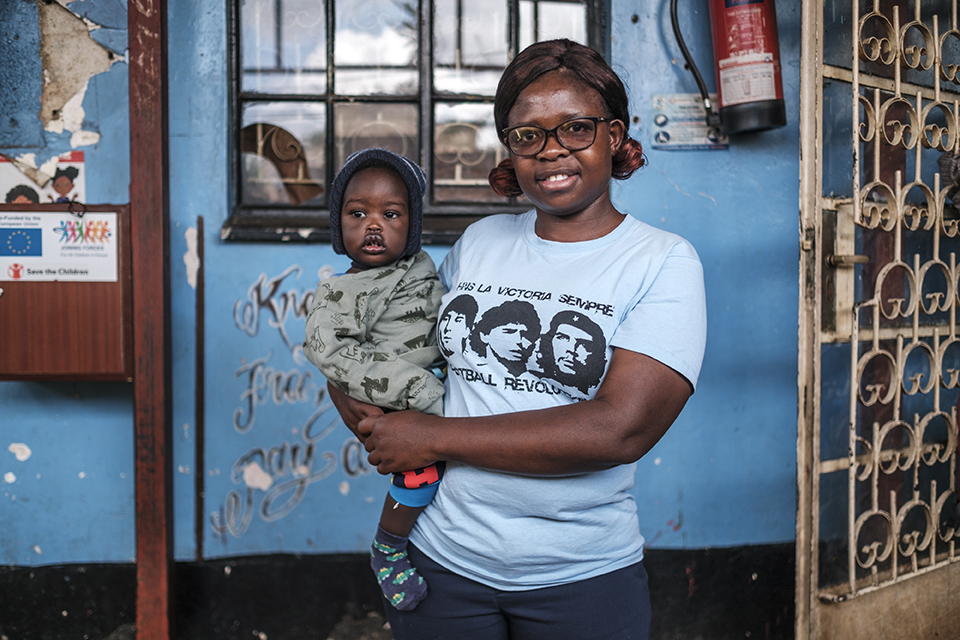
column 372, row 332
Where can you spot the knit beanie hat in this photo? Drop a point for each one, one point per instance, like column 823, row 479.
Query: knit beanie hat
column 409, row 172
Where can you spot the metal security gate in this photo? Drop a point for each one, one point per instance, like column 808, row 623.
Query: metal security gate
column 878, row 529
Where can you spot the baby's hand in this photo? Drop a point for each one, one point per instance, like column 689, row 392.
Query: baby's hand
column 352, row 411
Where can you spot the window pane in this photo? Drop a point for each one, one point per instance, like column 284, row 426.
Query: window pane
column 466, row 148
column 283, row 153
column 367, row 82
column 376, row 47
column 390, row 126
column 283, row 46
column 470, row 45
column 541, row 20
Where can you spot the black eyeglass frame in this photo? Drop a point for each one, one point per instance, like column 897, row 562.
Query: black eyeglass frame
column 548, row 132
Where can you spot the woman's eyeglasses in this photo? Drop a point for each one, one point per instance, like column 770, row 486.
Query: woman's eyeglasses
column 573, row 135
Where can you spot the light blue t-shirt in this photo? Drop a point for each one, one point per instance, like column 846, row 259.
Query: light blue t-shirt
column 527, row 324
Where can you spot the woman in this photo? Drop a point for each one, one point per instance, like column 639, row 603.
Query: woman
column 534, row 532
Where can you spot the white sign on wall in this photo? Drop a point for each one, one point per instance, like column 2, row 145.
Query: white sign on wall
column 37, row 246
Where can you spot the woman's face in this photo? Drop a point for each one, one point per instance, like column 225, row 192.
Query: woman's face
column 558, row 181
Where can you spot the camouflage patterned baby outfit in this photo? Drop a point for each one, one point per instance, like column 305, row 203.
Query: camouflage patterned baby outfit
column 373, row 334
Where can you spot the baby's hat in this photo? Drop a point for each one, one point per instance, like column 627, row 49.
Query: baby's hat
column 412, row 176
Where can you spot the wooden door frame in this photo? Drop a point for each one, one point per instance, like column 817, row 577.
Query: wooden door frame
column 149, row 223
column 809, row 276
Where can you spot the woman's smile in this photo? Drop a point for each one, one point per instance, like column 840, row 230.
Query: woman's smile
column 558, row 181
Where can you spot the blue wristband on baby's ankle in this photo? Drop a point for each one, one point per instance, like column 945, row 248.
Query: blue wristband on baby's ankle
column 419, row 497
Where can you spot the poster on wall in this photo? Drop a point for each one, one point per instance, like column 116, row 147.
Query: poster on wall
column 67, row 183
column 38, row 246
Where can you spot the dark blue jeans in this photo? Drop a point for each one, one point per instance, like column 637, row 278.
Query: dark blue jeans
column 614, row 606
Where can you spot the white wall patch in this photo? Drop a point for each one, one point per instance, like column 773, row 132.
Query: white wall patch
column 191, row 259
column 20, row 450
column 256, row 478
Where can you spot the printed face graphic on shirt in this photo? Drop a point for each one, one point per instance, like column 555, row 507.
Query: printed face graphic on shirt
column 455, row 325
column 453, row 332
column 571, row 348
column 573, row 351
column 505, row 347
column 507, row 334
column 509, row 343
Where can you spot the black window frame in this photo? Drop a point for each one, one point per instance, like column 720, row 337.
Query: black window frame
column 442, row 223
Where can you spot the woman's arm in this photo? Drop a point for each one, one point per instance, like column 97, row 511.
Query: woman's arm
column 635, row 405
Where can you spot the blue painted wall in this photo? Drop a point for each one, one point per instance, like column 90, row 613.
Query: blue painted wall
column 726, row 470
column 72, row 499
column 724, row 475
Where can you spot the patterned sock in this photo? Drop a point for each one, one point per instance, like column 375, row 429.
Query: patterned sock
column 399, row 581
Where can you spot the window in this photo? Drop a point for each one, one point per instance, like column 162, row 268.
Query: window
column 317, row 80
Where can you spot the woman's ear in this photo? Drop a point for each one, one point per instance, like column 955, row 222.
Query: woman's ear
column 618, row 133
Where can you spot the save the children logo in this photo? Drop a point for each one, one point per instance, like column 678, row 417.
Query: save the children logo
column 15, row 271
column 84, row 231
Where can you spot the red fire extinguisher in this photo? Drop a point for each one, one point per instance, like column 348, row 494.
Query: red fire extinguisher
column 746, row 56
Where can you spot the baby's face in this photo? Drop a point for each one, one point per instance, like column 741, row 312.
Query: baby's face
column 375, row 217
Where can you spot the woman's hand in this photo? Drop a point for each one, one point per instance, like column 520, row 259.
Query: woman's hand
column 352, row 411
column 399, row 441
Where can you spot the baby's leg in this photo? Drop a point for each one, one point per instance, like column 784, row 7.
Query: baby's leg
column 399, row 581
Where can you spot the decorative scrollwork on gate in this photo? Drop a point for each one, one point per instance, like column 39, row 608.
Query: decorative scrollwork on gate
column 902, row 440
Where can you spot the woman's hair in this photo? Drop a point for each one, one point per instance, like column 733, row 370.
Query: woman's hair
column 586, row 66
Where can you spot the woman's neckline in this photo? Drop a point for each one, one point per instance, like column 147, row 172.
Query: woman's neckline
column 569, row 246
column 570, row 238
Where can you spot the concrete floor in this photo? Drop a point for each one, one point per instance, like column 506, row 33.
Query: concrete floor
column 373, row 626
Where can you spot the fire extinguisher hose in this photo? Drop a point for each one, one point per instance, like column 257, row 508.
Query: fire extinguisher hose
column 713, row 117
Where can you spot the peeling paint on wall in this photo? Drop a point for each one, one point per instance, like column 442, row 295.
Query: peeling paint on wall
column 255, row 477
column 20, row 450
column 9, row 477
column 190, row 258
column 70, row 57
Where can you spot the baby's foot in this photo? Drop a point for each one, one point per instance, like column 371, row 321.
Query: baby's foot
column 399, row 580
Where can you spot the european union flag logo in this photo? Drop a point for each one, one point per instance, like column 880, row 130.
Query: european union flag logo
column 21, row 242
